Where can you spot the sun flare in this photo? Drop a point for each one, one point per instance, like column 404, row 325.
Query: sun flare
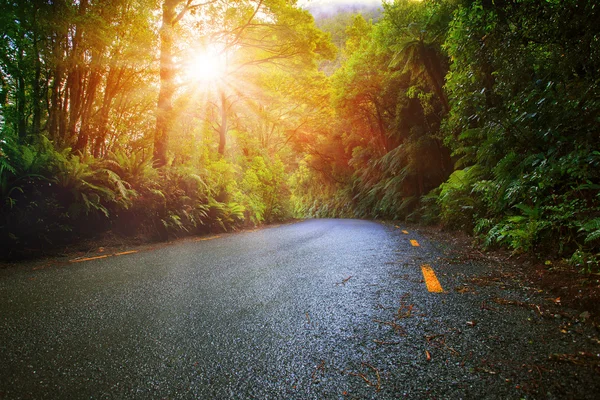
column 206, row 66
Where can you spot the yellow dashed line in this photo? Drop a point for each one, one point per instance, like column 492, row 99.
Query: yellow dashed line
column 414, row 243
column 88, row 258
column 433, row 285
column 405, row 232
column 208, row 238
column 76, row 260
column 125, row 252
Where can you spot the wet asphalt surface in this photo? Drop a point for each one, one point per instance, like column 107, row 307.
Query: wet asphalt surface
column 314, row 310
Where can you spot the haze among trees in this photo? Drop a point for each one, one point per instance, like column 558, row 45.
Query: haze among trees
column 167, row 118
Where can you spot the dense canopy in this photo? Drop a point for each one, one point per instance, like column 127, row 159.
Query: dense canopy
column 165, row 118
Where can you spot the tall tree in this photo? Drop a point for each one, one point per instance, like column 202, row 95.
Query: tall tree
column 252, row 37
column 164, row 111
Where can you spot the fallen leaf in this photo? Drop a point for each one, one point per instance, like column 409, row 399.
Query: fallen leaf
column 463, row 289
column 486, row 370
column 471, row 323
column 584, row 315
column 428, row 355
column 579, row 358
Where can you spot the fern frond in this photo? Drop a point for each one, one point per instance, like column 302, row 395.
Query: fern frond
column 591, row 227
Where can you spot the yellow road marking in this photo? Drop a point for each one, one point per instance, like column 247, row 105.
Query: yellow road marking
column 414, row 243
column 125, row 252
column 208, row 238
column 88, row 258
column 405, row 232
column 433, row 285
column 76, row 260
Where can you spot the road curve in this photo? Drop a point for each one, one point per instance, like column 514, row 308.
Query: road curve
column 317, row 309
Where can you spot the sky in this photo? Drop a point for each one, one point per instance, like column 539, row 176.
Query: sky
column 303, row 2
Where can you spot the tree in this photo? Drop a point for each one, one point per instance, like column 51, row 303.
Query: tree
column 251, row 38
column 164, row 111
column 419, row 53
column 523, row 86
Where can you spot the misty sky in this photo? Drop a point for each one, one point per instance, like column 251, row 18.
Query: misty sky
column 303, row 2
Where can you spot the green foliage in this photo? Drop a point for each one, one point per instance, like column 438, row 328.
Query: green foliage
column 592, row 230
column 226, row 215
column 388, row 95
column 457, row 206
column 524, row 113
column 519, row 232
column 89, row 187
column 265, row 189
column 506, row 93
column 519, row 110
column 586, row 262
column 79, row 83
column 51, row 193
column 311, row 197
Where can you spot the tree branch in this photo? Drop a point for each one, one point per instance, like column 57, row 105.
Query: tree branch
column 189, row 6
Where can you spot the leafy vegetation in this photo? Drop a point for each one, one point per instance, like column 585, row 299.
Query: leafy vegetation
column 169, row 118
column 482, row 116
column 145, row 118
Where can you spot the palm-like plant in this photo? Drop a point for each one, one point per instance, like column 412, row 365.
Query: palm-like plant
column 418, row 53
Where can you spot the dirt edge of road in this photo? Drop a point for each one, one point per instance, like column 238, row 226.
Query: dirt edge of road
column 571, row 288
column 108, row 244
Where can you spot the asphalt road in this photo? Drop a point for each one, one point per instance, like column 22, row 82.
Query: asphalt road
column 312, row 310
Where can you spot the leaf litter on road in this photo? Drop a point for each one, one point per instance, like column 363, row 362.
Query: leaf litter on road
column 344, row 281
column 365, row 376
column 402, row 312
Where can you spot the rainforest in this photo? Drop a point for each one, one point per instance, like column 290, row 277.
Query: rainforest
column 162, row 119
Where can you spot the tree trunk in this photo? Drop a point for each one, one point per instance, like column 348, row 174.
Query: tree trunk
column 223, row 127
column 21, row 70
column 21, row 98
column 88, row 102
column 164, row 111
column 113, row 80
column 75, row 79
column 435, row 76
column 59, row 48
column 55, row 100
column 37, row 91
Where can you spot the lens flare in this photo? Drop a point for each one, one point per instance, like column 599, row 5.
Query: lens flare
column 205, row 66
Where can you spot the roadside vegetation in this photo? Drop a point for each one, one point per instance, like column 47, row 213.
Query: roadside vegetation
column 167, row 118
column 478, row 115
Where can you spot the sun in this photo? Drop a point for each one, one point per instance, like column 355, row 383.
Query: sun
column 207, row 65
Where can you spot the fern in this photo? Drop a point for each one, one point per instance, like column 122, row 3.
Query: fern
column 18, row 166
column 592, row 228
column 91, row 189
column 6, row 167
column 173, row 222
column 134, row 168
